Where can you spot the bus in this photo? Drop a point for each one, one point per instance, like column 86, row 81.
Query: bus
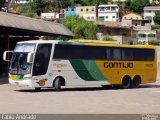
column 52, row 63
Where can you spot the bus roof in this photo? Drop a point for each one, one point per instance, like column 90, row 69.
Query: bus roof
column 88, row 42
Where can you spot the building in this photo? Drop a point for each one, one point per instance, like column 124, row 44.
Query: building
column 149, row 13
column 146, row 35
column 18, row 1
column 70, row 11
column 63, row 11
column 87, row 12
column 132, row 16
column 108, row 12
column 122, row 34
column 50, row 16
column 135, row 20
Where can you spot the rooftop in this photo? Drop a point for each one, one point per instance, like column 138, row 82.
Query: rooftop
column 152, row 8
column 14, row 24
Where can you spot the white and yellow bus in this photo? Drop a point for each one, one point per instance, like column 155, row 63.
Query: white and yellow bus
column 44, row 64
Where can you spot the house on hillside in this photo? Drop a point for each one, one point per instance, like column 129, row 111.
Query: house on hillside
column 135, row 20
column 143, row 27
column 108, row 12
column 52, row 16
column 70, row 11
column 122, row 34
column 18, row 1
column 144, row 36
column 87, row 12
column 149, row 13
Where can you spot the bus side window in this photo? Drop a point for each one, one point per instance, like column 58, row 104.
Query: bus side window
column 108, row 54
column 117, row 54
column 127, row 54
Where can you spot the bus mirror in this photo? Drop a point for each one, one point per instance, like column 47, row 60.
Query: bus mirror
column 7, row 56
column 30, row 57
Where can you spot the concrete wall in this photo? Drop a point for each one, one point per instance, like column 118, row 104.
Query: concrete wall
column 86, row 10
column 125, row 40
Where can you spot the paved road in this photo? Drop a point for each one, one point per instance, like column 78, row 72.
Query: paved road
column 80, row 100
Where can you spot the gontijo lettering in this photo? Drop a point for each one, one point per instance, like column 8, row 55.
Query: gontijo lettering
column 118, row 65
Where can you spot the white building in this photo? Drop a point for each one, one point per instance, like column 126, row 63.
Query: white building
column 18, row 1
column 125, row 0
column 50, row 16
column 108, row 12
column 87, row 12
column 149, row 13
column 146, row 35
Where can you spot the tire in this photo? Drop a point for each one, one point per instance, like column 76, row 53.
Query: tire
column 126, row 82
column 37, row 89
column 136, row 82
column 57, row 84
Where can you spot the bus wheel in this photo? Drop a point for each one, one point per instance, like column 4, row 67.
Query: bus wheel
column 126, row 82
column 57, row 84
column 136, row 81
column 37, row 89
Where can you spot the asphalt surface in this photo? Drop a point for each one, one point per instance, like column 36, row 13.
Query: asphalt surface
column 80, row 100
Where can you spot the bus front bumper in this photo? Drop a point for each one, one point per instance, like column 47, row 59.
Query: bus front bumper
column 21, row 83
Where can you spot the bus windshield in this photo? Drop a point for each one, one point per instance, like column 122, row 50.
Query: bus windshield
column 19, row 63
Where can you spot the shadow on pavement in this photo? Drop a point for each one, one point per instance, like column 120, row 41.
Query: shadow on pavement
column 150, row 86
column 3, row 80
column 108, row 87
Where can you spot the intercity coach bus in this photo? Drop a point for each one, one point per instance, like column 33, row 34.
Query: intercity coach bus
column 44, row 64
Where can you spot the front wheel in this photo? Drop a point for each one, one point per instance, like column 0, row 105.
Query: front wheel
column 57, row 84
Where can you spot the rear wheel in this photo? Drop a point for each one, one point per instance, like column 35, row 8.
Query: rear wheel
column 126, row 82
column 57, row 84
column 136, row 82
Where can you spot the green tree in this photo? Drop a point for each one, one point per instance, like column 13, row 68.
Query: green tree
column 94, row 2
column 81, row 28
column 39, row 6
column 156, row 18
column 136, row 5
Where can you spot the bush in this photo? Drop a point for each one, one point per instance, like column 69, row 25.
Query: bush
column 30, row 15
column 156, row 18
column 26, row 8
column 154, row 42
column 155, row 27
column 108, row 38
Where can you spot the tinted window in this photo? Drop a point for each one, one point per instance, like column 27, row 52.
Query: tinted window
column 127, row 54
column 143, row 54
column 79, row 52
column 42, row 58
column 102, row 53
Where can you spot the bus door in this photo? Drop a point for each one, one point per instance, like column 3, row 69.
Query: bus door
column 41, row 62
